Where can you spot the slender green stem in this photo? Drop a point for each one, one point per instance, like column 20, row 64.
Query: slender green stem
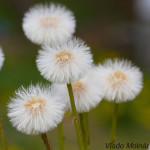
column 86, row 118
column 46, row 141
column 84, row 124
column 4, row 144
column 75, row 118
column 60, row 136
column 114, row 124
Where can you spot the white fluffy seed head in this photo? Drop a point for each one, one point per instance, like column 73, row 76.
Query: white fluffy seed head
column 62, row 91
column 120, row 80
column 35, row 110
column 65, row 62
column 87, row 93
column 47, row 24
column 1, row 58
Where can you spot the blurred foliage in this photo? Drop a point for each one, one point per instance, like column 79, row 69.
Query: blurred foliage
column 105, row 25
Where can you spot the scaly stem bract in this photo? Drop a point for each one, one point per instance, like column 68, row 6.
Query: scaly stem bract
column 46, row 141
column 75, row 118
column 4, row 144
column 60, row 136
column 114, row 124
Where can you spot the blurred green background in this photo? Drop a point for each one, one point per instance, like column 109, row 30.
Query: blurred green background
column 112, row 29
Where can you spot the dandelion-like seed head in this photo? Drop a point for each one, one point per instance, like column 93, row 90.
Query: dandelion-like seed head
column 87, row 93
column 35, row 105
column 63, row 57
column 148, row 147
column 120, row 80
column 64, row 62
column 35, row 110
column 49, row 22
column 78, row 87
column 1, row 58
column 117, row 78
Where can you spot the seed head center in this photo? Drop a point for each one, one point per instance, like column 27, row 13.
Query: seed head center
column 117, row 78
column 77, row 87
column 63, row 57
column 35, row 104
column 50, row 21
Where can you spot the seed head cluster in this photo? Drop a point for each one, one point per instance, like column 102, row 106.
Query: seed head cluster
column 64, row 59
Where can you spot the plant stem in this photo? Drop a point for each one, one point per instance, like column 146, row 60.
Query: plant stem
column 82, row 126
column 84, row 129
column 3, row 136
column 114, row 124
column 46, row 141
column 75, row 118
column 87, row 130
column 60, row 136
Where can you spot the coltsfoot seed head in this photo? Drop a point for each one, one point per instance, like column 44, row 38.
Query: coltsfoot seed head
column 64, row 62
column 35, row 110
column 48, row 24
column 120, row 80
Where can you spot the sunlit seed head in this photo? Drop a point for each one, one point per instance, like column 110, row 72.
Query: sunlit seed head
column 35, row 104
column 49, row 22
column 86, row 91
column 117, row 78
column 64, row 62
column 2, row 58
column 78, row 87
column 63, row 57
column 35, row 110
column 120, row 80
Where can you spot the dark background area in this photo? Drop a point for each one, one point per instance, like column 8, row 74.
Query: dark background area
column 112, row 29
